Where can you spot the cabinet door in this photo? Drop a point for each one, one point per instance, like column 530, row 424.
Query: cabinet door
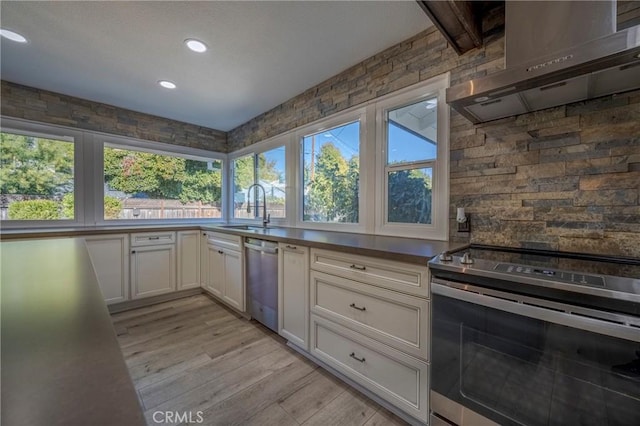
column 153, row 270
column 204, row 260
column 111, row 263
column 234, row 279
column 293, row 294
column 188, row 259
column 215, row 270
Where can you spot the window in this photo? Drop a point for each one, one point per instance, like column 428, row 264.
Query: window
column 267, row 169
column 331, row 174
column 37, row 177
column 412, row 169
column 411, row 156
column 149, row 185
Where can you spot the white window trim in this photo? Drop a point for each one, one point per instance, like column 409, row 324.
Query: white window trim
column 89, row 175
column 337, row 120
column 79, row 170
column 282, row 140
column 439, row 228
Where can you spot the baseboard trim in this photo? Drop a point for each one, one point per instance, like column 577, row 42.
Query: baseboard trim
column 153, row 300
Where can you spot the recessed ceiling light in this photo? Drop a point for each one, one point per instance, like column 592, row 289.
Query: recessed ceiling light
column 167, row 84
column 195, row 45
column 13, row 36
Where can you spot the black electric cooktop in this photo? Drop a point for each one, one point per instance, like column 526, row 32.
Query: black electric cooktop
column 599, row 276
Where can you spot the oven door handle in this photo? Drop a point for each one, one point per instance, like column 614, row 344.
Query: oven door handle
column 535, row 308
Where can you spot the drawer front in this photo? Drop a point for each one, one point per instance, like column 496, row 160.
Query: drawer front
column 397, row 319
column 233, row 242
column 404, row 277
column 398, row 378
column 152, row 238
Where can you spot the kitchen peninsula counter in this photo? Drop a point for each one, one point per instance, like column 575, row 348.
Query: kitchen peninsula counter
column 61, row 363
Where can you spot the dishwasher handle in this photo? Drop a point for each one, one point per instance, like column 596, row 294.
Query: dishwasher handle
column 262, row 249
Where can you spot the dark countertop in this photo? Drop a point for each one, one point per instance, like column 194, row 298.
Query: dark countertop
column 61, row 363
column 412, row 250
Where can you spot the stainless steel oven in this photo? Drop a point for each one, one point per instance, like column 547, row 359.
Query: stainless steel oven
column 518, row 341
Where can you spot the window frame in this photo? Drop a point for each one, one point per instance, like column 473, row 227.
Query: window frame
column 28, row 128
column 337, row 120
column 284, row 141
column 438, row 229
column 131, row 144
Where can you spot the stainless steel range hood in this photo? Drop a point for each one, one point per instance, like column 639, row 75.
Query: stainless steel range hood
column 557, row 52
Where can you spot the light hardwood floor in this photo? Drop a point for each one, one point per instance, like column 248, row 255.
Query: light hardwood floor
column 193, row 354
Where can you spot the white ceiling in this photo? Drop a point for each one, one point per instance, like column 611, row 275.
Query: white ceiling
column 260, row 53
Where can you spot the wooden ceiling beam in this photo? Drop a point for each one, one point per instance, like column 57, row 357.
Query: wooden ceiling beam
column 460, row 22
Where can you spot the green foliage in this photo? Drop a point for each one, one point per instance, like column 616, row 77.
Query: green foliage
column 33, row 210
column 409, row 197
column 132, row 172
column 35, row 166
column 68, row 206
column 200, row 184
column 332, row 191
column 243, row 173
column 112, row 207
column 161, row 176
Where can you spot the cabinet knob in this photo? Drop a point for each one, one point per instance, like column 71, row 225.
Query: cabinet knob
column 133, row 252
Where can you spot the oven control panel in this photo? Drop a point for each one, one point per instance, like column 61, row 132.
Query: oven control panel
column 551, row 274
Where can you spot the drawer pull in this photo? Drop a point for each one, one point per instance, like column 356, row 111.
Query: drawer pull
column 220, row 251
column 154, row 238
column 359, row 268
column 353, row 305
column 353, row 355
column 292, row 247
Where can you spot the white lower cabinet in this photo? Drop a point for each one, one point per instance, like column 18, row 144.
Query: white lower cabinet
column 215, row 270
column 110, row 259
column 393, row 375
column 293, row 294
column 153, row 270
column 370, row 321
column 233, row 279
column 188, row 259
column 225, row 275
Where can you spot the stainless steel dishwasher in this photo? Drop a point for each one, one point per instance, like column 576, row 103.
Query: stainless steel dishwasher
column 262, row 281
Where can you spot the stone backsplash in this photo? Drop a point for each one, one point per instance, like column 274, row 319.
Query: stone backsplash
column 567, row 178
column 54, row 108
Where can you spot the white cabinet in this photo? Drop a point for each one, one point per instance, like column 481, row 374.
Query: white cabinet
column 109, row 255
column 370, row 321
column 225, row 268
column 188, row 259
column 153, row 266
column 233, row 279
column 293, row 294
column 204, row 263
column 215, row 269
column 395, row 376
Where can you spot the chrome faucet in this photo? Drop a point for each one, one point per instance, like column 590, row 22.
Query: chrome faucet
column 266, row 218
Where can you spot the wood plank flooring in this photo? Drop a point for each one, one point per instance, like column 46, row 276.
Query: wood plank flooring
column 194, row 355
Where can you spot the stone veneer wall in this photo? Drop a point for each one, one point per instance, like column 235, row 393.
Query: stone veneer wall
column 54, row 108
column 566, row 178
